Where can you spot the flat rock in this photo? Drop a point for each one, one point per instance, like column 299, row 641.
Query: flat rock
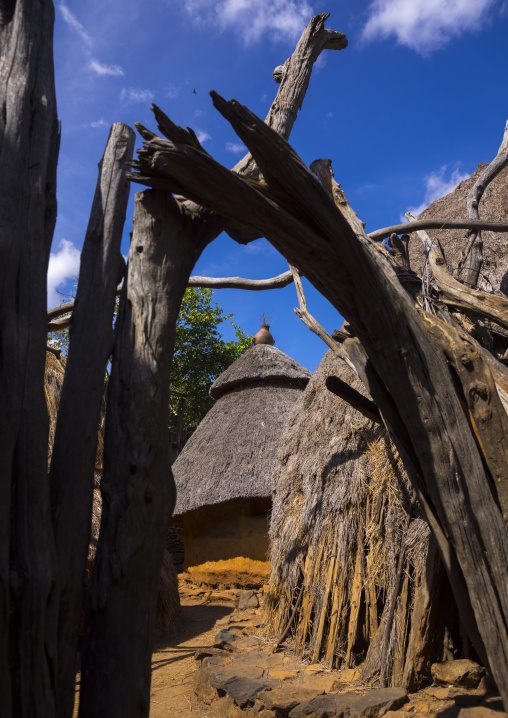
column 376, row 703
column 207, row 653
column 286, row 697
column 332, row 705
column 481, row 712
column 225, row 639
column 463, row 672
column 373, row 704
column 258, row 658
column 244, row 690
column 281, row 675
column 323, row 683
column 248, row 643
column 247, row 599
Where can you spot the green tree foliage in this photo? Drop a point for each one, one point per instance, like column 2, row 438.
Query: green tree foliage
column 201, row 354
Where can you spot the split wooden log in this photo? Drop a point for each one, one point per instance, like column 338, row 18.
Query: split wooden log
column 487, row 414
column 75, row 443
column 471, row 261
column 29, row 144
column 414, row 384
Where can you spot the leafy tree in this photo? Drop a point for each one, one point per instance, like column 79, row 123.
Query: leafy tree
column 201, row 354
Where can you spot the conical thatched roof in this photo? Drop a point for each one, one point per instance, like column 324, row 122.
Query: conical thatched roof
column 493, row 207
column 232, row 452
column 350, row 551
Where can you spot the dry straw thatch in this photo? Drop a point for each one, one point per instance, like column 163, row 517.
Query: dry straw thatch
column 168, row 600
column 350, row 548
column 493, row 207
column 231, row 454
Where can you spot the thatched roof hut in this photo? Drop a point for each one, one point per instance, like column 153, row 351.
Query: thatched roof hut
column 349, row 546
column 493, row 207
column 223, row 475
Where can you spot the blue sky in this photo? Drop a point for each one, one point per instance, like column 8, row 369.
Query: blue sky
column 408, row 110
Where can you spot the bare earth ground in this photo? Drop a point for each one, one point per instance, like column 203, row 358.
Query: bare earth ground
column 173, row 664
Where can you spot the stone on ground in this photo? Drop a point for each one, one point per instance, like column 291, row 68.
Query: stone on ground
column 462, row 672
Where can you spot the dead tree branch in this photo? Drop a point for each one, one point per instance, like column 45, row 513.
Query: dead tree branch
column 455, row 294
column 416, row 224
column 471, row 260
column 253, row 285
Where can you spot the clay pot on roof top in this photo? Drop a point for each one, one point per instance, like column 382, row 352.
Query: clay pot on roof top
column 264, row 336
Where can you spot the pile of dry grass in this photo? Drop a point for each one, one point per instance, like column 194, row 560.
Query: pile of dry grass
column 354, row 568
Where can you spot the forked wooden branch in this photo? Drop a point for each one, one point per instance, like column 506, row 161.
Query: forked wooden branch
column 471, row 260
column 456, row 294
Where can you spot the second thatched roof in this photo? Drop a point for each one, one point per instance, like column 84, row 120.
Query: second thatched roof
column 355, row 574
column 493, row 207
column 232, row 452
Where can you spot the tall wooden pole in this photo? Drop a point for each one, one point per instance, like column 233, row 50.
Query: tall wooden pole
column 29, row 143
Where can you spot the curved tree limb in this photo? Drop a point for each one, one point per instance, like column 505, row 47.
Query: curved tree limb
column 471, row 260
column 417, row 224
column 254, row 285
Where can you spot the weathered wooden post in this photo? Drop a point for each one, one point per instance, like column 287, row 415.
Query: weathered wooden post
column 75, row 445
column 29, row 143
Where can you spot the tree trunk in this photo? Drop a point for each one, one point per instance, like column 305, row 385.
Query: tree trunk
column 137, row 485
column 29, row 142
column 75, row 445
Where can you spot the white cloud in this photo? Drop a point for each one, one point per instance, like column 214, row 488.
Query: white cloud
column 424, row 25
column 131, row 94
column 436, row 186
column 72, row 21
column 253, row 19
column 99, row 123
column 235, row 147
column 63, row 264
column 100, row 69
column 202, row 136
column 172, row 92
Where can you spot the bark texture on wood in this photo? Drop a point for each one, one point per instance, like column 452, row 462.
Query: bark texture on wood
column 29, row 143
column 75, row 444
column 295, row 213
column 137, row 485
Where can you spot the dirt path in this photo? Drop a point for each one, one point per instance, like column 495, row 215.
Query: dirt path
column 173, row 664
